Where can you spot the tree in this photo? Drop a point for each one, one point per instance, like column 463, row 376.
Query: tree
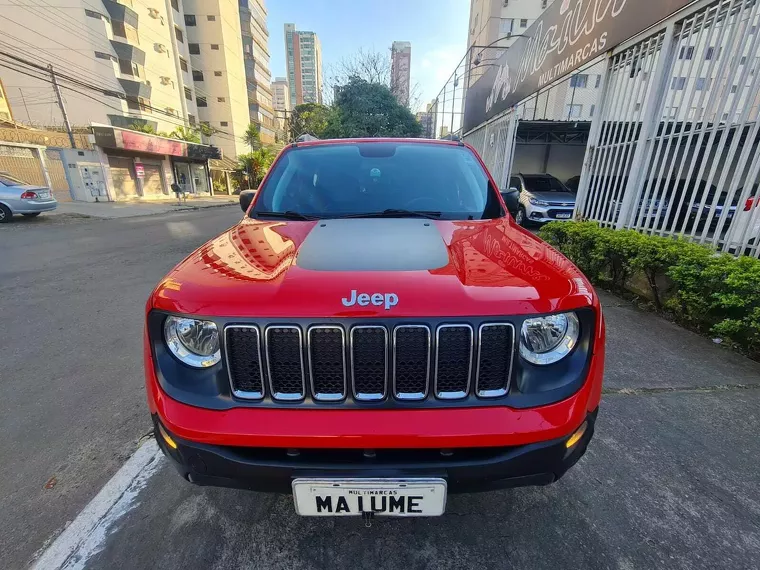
column 365, row 109
column 308, row 118
column 186, row 134
column 143, row 128
column 252, row 136
column 254, row 165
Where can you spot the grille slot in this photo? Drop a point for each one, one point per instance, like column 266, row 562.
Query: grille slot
column 411, row 362
column 453, row 361
column 495, row 355
column 285, row 362
column 243, row 351
column 327, row 363
column 369, row 362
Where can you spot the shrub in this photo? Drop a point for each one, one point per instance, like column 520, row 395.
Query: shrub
column 707, row 291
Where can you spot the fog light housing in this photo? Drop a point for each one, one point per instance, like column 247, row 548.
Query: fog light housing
column 167, row 438
column 576, row 437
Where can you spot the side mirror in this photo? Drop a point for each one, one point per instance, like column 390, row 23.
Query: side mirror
column 513, row 189
column 246, row 197
column 512, row 200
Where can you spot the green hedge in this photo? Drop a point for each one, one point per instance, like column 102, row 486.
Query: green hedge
column 712, row 293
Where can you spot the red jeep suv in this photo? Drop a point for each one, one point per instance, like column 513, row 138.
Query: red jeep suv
column 375, row 333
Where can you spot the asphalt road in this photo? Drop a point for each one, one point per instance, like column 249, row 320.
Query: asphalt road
column 670, row 480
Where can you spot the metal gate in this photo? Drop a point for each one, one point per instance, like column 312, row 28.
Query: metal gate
column 674, row 150
column 495, row 143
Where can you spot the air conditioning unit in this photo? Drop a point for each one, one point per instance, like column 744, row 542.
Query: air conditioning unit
column 160, row 48
column 153, row 13
column 165, row 80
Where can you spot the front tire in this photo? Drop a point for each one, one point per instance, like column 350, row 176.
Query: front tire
column 5, row 214
column 521, row 218
column 32, row 215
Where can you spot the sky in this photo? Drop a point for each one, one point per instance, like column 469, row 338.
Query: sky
column 437, row 30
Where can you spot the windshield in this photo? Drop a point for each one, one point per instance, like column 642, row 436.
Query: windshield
column 338, row 180
column 8, row 180
column 544, row 184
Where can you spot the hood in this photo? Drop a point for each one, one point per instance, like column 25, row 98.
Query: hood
column 353, row 267
column 555, row 197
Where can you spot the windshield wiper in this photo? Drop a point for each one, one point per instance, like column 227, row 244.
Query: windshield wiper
column 287, row 215
column 396, row 213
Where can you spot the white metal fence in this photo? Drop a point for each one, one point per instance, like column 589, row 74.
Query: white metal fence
column 674, row 147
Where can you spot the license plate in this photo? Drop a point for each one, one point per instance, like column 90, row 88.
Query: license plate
column 565, row 216
column 44, row 194
column 383, row 497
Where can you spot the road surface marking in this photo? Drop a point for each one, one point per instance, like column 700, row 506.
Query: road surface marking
column 87, row 533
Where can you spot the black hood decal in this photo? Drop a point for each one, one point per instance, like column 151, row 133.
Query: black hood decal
column 387, row 244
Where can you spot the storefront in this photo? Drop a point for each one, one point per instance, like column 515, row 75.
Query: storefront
column 143, row 166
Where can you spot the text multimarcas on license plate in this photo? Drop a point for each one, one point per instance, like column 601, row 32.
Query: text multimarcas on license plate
column 351, row 497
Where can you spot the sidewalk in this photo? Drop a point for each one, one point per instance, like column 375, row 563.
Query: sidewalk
column 112, row 210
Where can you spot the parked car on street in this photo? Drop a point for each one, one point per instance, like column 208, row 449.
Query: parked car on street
column 542, row 198
column 374, row 334
column 17, row 197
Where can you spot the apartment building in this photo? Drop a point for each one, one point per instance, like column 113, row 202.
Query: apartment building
column 304, row 62
column 401, row 62
column 281, row 101
column 218, row 70
column 492, row 20
column 131, row 48
column 253, row 24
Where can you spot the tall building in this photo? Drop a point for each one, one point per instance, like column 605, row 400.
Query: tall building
column 492, row 20
column 136, row 51
column 281, row 101
column 428, row 119
column 218, row 70
column 401, row 62
column 304, row 62
column 253, row 24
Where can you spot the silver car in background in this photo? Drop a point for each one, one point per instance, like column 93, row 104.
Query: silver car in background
column 542, row 199
column 17, row 197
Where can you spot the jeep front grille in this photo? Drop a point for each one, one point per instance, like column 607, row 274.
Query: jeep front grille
column 369, row 363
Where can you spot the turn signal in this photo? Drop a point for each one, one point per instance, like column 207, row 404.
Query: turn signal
column 169, row 441
column 576, row 437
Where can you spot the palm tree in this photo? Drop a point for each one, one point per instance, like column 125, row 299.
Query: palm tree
column 256, row 164
column 142, row 128
column 252, row 136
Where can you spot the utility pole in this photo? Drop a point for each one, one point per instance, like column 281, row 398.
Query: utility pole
column 63, row 108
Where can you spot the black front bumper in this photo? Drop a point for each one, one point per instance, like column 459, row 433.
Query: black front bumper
column 465, row 470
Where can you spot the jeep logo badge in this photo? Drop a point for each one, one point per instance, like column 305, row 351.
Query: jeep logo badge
column 377, row 299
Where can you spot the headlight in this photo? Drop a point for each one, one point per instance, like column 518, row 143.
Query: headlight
column 546, row 340
column 537, row 202
column 193, row 342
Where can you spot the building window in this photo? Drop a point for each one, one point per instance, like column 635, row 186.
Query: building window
column 574, row 111
column 175, row 5
column 201, row 101
column 734, row 88
column 543, row 4
column 138, row 104
column 197, row 75
column 191, row 120
column 217, row 74
column 591, row 112
column 182, row 64
column 579, row 80
column 224, row 123
column 637, row 108
column 188, row 94
column 687, row 52
column 215, row 47
column 523, row 23
column 190, row 20
column 195, row 49
column 101, row 55
column 180, row 35
column 598, row 81
column 699, row 85
column 678, row 83
column 93, row 14
column 713, row 52
column 129, row 68
column 211, row 18
column 221, row 99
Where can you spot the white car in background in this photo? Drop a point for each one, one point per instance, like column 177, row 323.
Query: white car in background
column 17, row 197
column 745, row 227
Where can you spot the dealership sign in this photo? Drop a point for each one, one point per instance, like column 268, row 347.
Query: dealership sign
column 568, row 34
column 110, row 137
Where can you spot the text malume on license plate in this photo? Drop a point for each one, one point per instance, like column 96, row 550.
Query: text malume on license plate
column 385, row 497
